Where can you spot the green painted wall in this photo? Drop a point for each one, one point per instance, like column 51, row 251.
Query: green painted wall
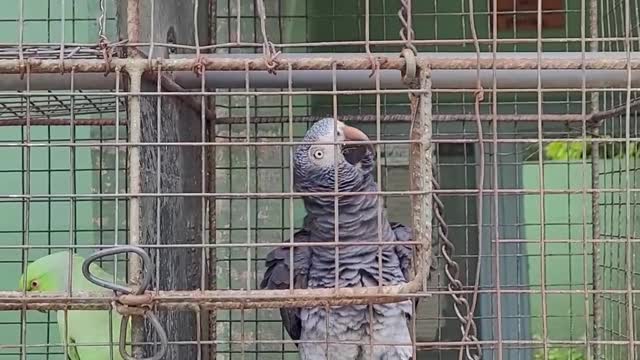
column 568, row 266
column 566, row 217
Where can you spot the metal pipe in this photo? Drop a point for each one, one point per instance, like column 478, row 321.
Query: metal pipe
column 449, row 71
column 391, row 79
column 518, row 72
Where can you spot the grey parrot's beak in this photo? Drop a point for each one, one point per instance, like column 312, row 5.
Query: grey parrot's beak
column 354, row 153
column 354, row 134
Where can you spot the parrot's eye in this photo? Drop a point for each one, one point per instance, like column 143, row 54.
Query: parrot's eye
column 318, row 154
column 34, row 284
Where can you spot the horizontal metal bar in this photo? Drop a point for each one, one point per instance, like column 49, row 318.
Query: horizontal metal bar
column 358, row 118
column 450, row 70
column 224, row 299
column 59, row 122
column 441, row 345
column 609, row 240
column 295, row 195
column 405, row 118
column 445, row 139
column 252, row 299
column 368, row 118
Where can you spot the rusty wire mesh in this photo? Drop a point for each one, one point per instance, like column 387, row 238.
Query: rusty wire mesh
column 535, row 185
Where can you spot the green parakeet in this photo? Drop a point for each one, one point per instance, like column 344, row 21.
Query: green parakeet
column 50, row 274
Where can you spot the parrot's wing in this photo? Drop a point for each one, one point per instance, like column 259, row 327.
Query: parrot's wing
column 405, row 251
column 87, row 328
column 72, row 352
column 276, row 276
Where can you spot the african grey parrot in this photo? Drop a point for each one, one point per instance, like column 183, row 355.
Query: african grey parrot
column 314, row 267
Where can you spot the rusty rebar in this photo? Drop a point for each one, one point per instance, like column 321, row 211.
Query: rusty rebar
column 58, row 122
column 595, row 198
column 363, row 118
column 257, row 299
column 356, row 62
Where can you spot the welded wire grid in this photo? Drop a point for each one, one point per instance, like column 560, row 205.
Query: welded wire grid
column 617, row 264
column 541, row 289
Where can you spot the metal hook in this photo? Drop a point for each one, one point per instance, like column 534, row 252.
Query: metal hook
column 164, row 341
column 146, row 268
column 411, row 66
column 147, row 265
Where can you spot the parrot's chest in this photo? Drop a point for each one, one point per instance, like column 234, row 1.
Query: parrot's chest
column 356, row 266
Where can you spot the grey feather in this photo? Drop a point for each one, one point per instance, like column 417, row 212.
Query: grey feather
column 319, row 169
column 277, row 277
column 277, row 273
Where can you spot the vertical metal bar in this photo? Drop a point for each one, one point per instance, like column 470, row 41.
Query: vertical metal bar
column 62, row 28
column 211, row 268
column 421, row 178
column 135, row 185
column 196, row 36
column 242, row 333
column 238, row 21
column 291, row 180
column 116, row 210
column 27, row 204
column 72, row 190
column 480, row 203
column 152, row 30
column 629, row 256
column 133, row 25
column 543, row 248
column 26, row 185
column 585, row 245
column 595, row 198
column 49, row 189
column 158, row 150
column 248, row 173
column 203, row 226
column 421, row 152
column 199, row 326
column 247, row 112
column 380, row 198
column 135, row 263
column 495, row 185
column 336, row 208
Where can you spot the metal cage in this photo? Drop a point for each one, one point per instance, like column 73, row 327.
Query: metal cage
column 504, row 133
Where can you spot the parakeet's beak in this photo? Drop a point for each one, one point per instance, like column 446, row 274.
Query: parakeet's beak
column 354, row 153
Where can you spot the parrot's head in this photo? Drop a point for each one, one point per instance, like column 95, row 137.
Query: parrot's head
column 315, row 164
column 50, row 273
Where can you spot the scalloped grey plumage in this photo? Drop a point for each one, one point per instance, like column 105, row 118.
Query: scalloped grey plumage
column 314, row 267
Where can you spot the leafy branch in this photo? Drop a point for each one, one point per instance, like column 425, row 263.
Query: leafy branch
column 577, row 150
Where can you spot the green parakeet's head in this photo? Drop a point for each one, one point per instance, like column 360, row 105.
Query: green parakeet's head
column 50, row 273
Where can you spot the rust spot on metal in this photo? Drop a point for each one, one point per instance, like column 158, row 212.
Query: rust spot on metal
column 136, row 300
